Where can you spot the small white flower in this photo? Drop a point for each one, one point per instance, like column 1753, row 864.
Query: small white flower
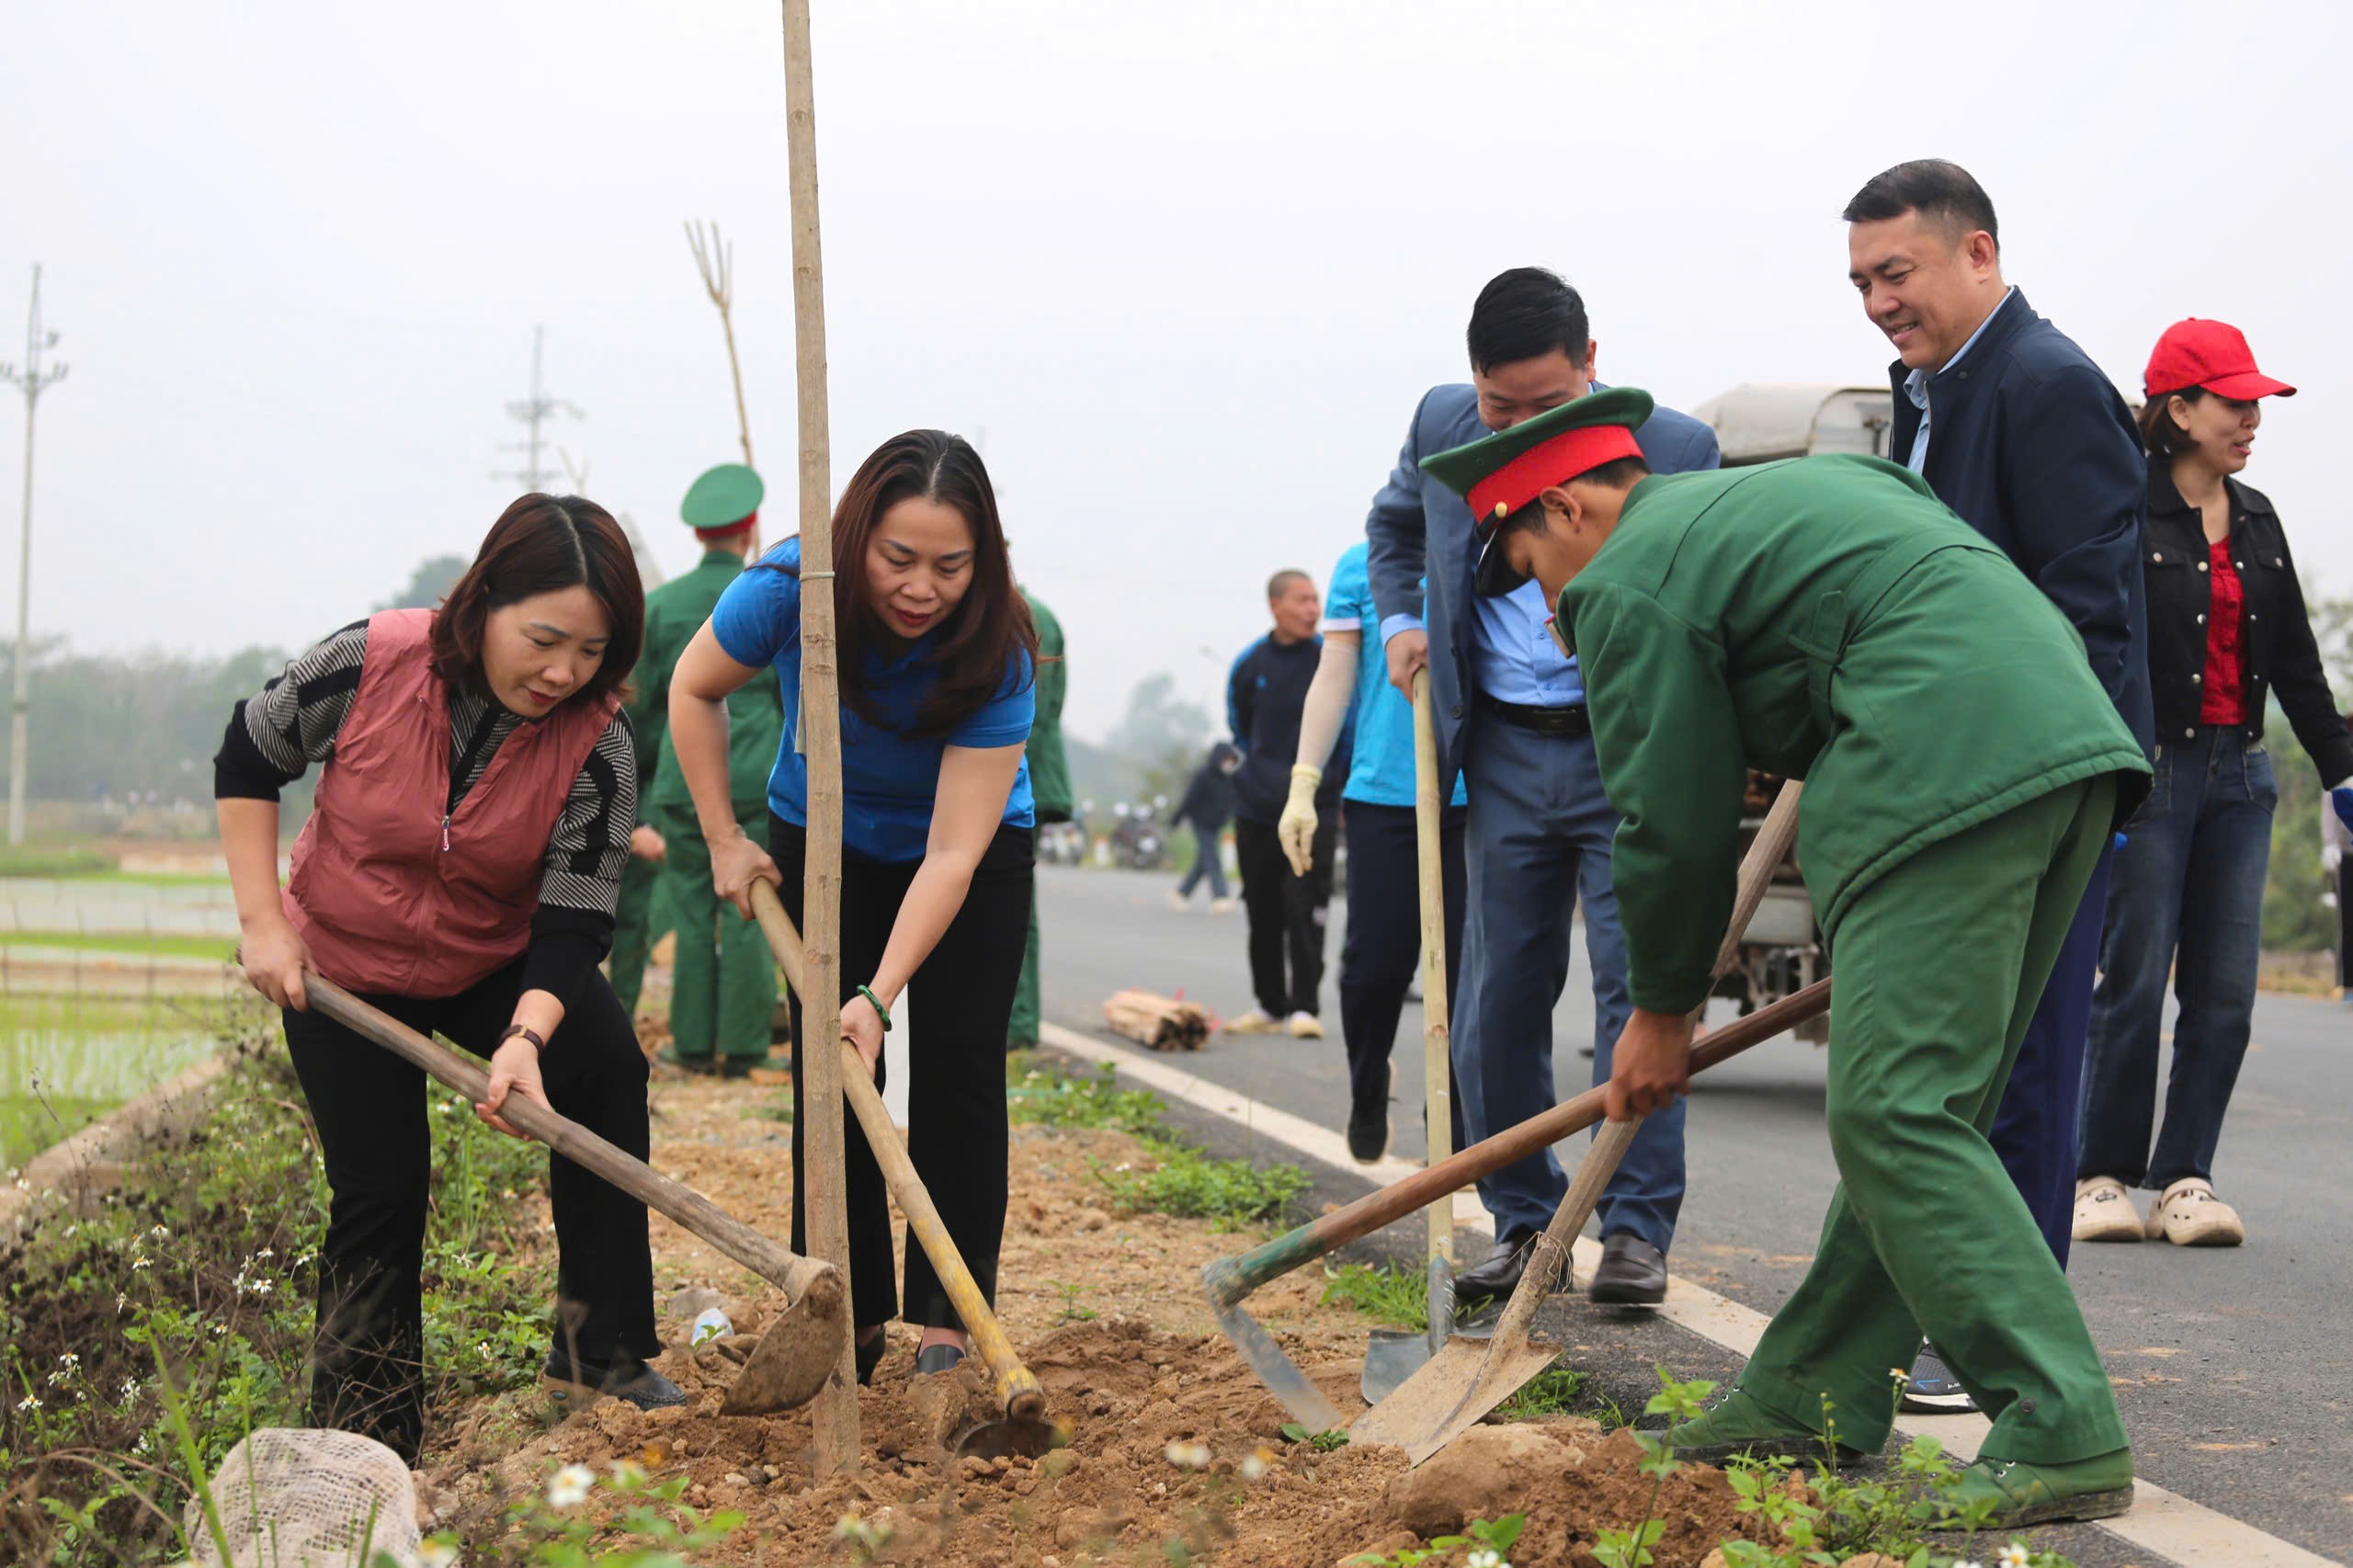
column 30, row 1402
column 2015, row 1556
column 1900, row 1375
column 1484, row 1558
column 140, row 1447
column 265, row 1251
column 1188, row 1456
column 138, row 1263
column 23, row 1185
column 628, row 1475
column 1963, row 1562
column 569, row 1487
column 262, row 1286
column 161, row 1233
column 120, row 1301
column 130, row 1390
column 1254, row 1467
column 69, row 1360
column 437, row 1554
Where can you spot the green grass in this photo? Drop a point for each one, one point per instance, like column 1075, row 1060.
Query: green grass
column 1177, row 1178
column 1555, row 1391
column 1386, row 1292
column 163, row 944
column 53, row 862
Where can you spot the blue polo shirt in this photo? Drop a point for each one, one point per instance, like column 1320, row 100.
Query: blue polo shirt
column 1382, row 773
column 890, row 776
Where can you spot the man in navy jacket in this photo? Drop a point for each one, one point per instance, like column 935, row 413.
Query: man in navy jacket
column 2016, row 431
column 1509, row 711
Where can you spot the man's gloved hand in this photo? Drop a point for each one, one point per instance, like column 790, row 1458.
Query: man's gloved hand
column 1296, row 827
column 2342, row 798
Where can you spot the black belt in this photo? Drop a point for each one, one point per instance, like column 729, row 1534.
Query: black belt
column 1568, row 722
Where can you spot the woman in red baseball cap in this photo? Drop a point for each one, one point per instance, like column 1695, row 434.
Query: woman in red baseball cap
column 2226, row 629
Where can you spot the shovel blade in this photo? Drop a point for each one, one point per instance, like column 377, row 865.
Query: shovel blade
column 1450, row 1394
column 1394, row 1355
column 1014, row 1438
column 790, row 1365
column 1281, row 1375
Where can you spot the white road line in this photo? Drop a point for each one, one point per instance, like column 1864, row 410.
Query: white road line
column 2164, row 1522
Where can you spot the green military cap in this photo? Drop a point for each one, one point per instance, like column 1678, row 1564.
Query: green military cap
column 723, row 498
column 1500, row 473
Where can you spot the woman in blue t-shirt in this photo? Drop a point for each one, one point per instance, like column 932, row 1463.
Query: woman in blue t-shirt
column 938, row 660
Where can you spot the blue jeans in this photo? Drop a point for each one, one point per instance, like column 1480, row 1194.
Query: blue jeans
column 2189, row 895
column 1536, row 841
column 1209, row 860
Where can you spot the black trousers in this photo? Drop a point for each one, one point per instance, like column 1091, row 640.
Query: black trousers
column 367, row 1363
column 1383, row 950
column 1287, row 913
column 957, row 1132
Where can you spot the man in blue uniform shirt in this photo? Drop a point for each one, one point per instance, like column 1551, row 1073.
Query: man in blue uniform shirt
column 1511, row 712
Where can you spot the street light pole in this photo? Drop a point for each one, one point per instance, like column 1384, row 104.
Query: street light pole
column 35, row 380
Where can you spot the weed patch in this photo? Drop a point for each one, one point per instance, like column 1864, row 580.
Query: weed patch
column 204, row 1273
column 1385, row 1292
column 1555, row 1391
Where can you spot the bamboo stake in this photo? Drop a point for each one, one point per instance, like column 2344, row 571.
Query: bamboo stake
column 819, row 1095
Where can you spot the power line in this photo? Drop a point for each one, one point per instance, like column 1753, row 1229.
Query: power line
column 533, row 412
column 35, row 378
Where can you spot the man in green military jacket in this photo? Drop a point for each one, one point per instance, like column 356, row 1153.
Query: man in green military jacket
column 1827, row 620
column 1050, row 784
column 723, row 994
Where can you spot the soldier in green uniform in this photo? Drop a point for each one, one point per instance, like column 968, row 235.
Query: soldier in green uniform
column 724, row 977
column 1050, row 784
column 1827, row 620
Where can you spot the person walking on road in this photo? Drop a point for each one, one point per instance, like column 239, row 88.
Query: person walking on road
column 938, row 664
column 1510, row 713
column 1208, row 805
column 1049, row 787
column 460, row 869
column 2227, row 626
column 1382, row 950
column 1827, row 620
column 2016, row 431
column 722, row 996
column 1265, row 694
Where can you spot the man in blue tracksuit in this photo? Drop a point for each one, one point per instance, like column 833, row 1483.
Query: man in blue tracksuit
column 2015, row 430
column 1510, row 713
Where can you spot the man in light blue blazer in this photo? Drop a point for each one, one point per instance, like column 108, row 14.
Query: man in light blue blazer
column 1510, row 714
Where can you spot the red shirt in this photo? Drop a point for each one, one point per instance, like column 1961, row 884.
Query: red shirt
column 2225, row 682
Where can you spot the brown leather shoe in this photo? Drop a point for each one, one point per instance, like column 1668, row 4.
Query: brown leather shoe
column 1631, row 1273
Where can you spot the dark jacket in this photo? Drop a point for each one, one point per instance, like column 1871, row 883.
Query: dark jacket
column 1419, row 532
column 2031, row 445
column 1209, row 799
column 1265, row 695
column 2278, row 655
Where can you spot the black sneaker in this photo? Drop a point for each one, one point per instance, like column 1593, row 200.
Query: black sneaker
column 1933, row 1389
column 577, row 1385
column 1368, row 1130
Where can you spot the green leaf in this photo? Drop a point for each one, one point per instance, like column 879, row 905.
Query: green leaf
column 1294, row 1432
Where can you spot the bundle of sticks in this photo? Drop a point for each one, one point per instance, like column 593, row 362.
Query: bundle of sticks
column 1164, row 1023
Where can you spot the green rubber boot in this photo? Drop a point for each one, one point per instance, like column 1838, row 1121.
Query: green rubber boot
column 1738, row 1425
column 2023, row 1495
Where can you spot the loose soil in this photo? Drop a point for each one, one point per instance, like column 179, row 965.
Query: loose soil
column 1108, row 1311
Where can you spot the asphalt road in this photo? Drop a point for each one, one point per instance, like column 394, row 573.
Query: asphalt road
column 2232, row 1365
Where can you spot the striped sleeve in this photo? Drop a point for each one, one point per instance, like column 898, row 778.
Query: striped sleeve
column 274, row 736
column 590, row 844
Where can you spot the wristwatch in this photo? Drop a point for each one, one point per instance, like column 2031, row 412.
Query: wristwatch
column 538, row 1043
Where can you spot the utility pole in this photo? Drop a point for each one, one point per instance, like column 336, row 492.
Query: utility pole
column 533, row 412
column 35, row 378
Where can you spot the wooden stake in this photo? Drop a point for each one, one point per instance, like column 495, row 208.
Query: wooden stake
column 819, row 1094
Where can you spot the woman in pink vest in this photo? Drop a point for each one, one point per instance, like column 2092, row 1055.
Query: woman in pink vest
column 937, row 656
column 460, row 869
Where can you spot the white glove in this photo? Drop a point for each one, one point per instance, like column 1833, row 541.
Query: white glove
column 1296, row 826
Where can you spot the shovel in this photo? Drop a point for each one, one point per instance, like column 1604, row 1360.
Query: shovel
column 1229, row 1280
column 1024, row 1430
column 1393, row 1355
column 1468, row 1378
column 799, row 1349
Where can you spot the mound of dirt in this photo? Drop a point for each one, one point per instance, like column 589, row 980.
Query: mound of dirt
column 1144, row 1405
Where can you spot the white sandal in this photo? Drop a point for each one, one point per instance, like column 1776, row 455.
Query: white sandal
column 2103, row 1211
column 2190, row 1215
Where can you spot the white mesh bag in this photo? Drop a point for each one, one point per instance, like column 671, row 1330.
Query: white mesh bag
column 306, row 1498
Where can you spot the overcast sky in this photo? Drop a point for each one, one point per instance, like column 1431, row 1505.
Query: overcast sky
column 1183, row 271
